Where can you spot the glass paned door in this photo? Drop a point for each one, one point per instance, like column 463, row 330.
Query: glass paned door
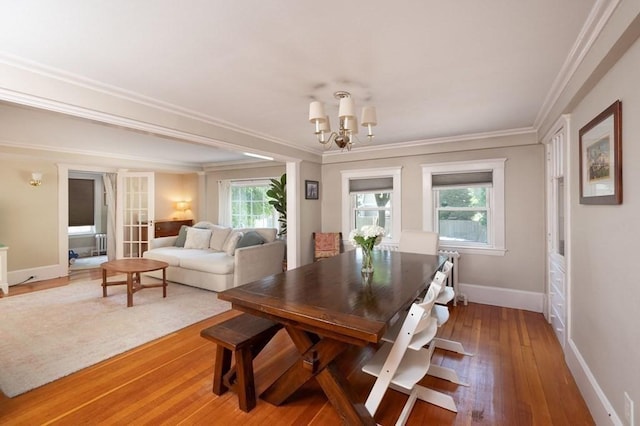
column 135, row 213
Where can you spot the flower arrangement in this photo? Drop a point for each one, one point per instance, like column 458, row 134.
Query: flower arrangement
column 367, row 237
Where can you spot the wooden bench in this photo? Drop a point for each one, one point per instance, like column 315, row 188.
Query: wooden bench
column 246, row 335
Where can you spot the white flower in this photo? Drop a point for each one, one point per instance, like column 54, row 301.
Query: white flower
column 367, row 236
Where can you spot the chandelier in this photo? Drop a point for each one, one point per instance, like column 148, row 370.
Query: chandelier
column 345, row 136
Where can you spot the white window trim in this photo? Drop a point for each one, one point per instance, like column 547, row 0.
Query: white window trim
column 496, row 203
column 396, row 210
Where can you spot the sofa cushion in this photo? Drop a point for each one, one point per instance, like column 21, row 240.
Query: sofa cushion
column 197, row 238
column 214, row 263
column 219, row 235
column 182, row 236
column 231, row 242
column 250, row 238
column 269, row 234
column 173, row 255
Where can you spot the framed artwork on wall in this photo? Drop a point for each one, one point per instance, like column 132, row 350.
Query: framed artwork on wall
column 601, row 158
column 311, row 189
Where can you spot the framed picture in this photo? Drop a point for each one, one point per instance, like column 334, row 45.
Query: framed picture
column 601, row 158
column 311, row 189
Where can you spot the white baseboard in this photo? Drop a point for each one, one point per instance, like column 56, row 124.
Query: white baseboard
column 507, row 298
column 40, row 273
column 599, row 406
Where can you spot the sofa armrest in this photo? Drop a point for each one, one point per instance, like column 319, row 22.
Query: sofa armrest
column 255, row 262
column 163, row 242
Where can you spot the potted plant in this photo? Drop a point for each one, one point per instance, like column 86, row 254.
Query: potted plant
column 278, row 199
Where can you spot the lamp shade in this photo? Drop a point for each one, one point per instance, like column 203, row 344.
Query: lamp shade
column 316, row 112
column 369, row 116
column 351, row 123
column 325, row 126
column 347, row 108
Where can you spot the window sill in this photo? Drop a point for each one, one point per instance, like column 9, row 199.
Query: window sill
column 486, row 251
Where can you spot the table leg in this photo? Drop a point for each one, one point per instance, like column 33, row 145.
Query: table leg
column 104, row 282
column 164, row 282
column 317, row 360
column 129, row 289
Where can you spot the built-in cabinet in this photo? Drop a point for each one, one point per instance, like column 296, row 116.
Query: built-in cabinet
column 168, row 228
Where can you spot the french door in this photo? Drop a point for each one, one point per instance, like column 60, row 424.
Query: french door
column 135, row 213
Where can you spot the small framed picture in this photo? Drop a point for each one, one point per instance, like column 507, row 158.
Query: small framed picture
column 601, row 158
column 311, row 189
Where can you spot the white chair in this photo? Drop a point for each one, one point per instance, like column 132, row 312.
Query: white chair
column 425, row 242
column 401, row 364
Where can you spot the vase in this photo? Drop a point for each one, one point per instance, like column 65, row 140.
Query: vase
column 367, row 261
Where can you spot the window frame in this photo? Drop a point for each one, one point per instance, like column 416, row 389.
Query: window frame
column 496, row 215
column 250, row 183
column 348, row 218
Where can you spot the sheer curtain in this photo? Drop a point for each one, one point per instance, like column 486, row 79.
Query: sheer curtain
column 109, row 180
column 224, row 202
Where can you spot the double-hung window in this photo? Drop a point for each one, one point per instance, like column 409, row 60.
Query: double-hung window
column 372, row 197
column 464, row 204
column 249, row 205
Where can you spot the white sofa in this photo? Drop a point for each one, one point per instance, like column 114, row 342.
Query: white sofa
column 217, row 262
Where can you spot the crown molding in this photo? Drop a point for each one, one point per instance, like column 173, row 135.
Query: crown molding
column 598, row 17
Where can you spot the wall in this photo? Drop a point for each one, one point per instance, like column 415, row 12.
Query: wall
column 605, row 295
column 310, row 210
column 171, row 188
column 28, row 215
column 522, row 267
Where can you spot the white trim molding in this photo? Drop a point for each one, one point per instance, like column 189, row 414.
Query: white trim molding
column 504, row 297
column 496, row 245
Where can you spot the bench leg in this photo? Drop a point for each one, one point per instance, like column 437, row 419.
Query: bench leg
column 222, row 365
column 246, row 386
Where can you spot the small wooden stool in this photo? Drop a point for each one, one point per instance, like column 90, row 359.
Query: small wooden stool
column 246, row 335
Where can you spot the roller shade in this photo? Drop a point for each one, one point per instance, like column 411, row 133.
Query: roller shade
column 371, row 185
column 81, row 202
column 462, row 179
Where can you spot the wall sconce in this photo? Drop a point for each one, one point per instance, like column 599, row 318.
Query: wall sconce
column 36, row 179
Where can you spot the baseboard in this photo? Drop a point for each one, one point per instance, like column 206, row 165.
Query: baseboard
column 507, row 298
column 599, row 406
column 40, row 273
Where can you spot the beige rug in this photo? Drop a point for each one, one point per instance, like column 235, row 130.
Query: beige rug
column 52, row 333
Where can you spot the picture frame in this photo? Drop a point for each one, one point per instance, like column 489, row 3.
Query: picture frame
column 311, row 189
column 601, row 158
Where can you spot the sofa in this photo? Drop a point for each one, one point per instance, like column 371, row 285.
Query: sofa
column 217, row 258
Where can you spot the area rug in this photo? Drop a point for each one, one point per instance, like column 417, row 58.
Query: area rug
column 51, row 333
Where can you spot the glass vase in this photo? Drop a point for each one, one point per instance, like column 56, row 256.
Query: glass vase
column 367, row 261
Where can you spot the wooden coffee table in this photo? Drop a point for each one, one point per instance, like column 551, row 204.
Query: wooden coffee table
column 133, row 268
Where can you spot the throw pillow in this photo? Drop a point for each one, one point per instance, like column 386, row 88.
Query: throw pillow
column 219, row 235
column 232, row 241
column 250, row 238
column 182, row 236
column 197, row 238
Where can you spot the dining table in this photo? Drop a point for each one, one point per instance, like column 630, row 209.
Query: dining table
column 328, row 306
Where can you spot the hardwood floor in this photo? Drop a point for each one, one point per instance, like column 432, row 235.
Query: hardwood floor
column 517, row 377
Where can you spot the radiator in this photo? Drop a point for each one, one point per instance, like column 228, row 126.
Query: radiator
column 101, row 245
column 452, row 280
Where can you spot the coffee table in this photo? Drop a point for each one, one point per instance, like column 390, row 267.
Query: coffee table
column 133, row 268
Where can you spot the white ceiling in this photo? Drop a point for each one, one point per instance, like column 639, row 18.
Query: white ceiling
column 433, row 69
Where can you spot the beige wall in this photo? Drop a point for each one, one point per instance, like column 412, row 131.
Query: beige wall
column 522, row 267
column 28, row 215
column 310, row 210
column 605, row 292
column 171, row 188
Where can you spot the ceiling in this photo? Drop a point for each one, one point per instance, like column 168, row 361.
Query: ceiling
column 433, row 69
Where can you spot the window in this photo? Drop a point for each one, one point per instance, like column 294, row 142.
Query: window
column 250, row 206
column 372, row 197
column 82, row 206
column 464, row 203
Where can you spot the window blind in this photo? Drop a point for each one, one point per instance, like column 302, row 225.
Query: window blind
column 461, row 179
column 371, row 185
column 81, row 202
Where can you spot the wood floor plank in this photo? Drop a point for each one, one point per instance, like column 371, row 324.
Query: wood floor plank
column 517, row 376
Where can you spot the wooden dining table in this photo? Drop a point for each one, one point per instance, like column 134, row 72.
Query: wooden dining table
column 329, row 305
